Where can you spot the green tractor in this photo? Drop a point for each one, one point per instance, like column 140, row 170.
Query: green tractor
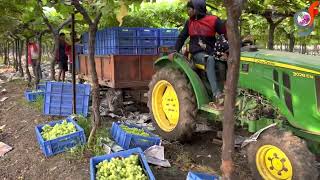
column 290, row 82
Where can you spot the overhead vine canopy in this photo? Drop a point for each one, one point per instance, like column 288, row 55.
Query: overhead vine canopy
column 23, row 18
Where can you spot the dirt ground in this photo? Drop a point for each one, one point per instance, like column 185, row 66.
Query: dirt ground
column 26, row 160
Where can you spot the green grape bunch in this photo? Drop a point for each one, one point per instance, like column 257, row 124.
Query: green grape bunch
column 135, row 131
column 120, row 169
column 58, row 130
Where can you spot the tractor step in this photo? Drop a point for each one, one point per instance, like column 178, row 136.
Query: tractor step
column 208, row 108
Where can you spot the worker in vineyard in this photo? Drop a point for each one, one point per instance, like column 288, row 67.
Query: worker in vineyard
column 202, row 29
column 62, row 57
column 33, row 58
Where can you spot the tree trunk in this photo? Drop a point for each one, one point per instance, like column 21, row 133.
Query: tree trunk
column 272, row 28
column 2, row 52
column 19, row 60
column 234, row 12
column 55, row 56
column 304, row 48
column 291, row 42
column 16, row 55
column 95, row 88
column 27, row 65
column 11, row 53
column 281, row 46
column 8, row 54
column 38, row 63
column 5, row 62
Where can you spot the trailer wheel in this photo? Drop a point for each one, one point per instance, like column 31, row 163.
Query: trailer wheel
column 172, row 104
column 279, row 155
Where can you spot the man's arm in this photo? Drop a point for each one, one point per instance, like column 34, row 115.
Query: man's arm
column 182, row 37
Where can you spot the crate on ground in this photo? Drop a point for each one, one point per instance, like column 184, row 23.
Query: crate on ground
column 61, row 105
column 136, row 151
column 147, row 32
column 147, row 50
column 32, row 95
column 60, row 144
column 201, row 176
column 58, row 99
column 41, row 86
column 147, row 41
column 127, row 140
column 66, row 88
column 168, row 33
column 167, row 41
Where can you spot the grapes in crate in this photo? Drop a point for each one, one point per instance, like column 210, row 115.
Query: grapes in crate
column 134, row 130
column 120, row 169
column 58, row 130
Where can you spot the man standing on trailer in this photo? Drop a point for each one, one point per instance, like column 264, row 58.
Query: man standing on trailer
column 63, row 58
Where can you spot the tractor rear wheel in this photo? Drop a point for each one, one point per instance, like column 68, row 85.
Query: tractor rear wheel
column 172, row 104
column 279, row 155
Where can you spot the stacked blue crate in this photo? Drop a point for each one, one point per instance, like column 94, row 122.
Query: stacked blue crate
column 99, row 43
column 168, row 37
column 147, row 39
column 120, row 41
column 85, row 42
column 131, row 41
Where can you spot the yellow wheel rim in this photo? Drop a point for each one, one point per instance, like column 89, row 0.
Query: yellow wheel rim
column 273, row 164
column 165, row 105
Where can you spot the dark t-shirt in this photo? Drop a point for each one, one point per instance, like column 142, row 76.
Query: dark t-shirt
column 62, row 52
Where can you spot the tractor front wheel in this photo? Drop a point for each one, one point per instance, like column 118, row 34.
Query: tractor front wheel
column 171, row 102
column 279, row 155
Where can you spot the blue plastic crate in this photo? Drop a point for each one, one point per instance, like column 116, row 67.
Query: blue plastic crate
column 121, row 50
column 168, row 33
column 201, row 176
column 147, row 32
column 137, row 151
column 61, row 105
column 60, row 144
column 32, row 96
column 58, row 99
column 128, row 141
column 116, row 32
column 66, row 88
column 41, row 86
column 122, row 41
column 147, row 42
column 147, row 50
column 85, row 37
column 79, row 49
column 167, row 41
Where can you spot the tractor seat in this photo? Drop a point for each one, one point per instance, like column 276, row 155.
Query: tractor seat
column 200, row 67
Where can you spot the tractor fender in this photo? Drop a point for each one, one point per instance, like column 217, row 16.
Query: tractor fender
column 179, row 62
column 256, row 135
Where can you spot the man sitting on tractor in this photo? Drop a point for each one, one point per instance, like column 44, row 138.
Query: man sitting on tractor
column 202, row 29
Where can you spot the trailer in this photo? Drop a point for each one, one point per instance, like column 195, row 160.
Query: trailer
column 120, row 76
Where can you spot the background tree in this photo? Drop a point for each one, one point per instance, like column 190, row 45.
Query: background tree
column 55, row 17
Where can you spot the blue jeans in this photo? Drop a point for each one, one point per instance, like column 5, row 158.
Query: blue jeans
column 210, row 71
